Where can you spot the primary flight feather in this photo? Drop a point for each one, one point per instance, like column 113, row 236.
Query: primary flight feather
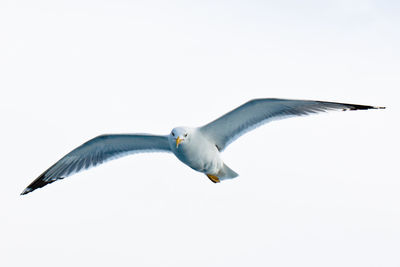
column 199, row 148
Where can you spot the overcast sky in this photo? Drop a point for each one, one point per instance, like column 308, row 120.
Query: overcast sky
column 315, row 191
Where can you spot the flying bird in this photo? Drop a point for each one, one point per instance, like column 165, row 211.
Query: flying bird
column 200, row 148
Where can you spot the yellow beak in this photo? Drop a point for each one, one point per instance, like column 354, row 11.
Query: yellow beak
column 178, row 141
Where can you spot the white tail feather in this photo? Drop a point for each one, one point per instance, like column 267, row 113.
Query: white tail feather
column 226, row 173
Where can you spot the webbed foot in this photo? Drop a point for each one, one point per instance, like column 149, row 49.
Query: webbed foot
column 213, row 178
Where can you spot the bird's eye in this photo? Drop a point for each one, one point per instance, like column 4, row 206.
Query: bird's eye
column 185, row 135
column 173, row 134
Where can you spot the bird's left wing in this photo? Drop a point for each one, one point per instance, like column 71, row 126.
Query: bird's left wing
column 248, row 116
column 97, row 151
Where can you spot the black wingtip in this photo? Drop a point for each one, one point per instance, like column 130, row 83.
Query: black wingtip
column 37, row 183
column 360, row 107
column 26, row 191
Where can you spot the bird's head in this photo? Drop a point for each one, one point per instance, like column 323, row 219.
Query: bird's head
column 180, row 135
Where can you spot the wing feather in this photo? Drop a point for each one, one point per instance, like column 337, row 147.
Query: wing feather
column 254, row 113
column 97, row 151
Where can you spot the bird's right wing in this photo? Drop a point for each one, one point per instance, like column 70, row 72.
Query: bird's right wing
column 97, row 151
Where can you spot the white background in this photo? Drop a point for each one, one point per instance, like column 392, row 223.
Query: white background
column 317, row 191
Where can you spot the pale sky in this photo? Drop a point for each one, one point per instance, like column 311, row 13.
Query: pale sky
column 316, row 191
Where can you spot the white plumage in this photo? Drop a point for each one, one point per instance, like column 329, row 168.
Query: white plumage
column 199, row 148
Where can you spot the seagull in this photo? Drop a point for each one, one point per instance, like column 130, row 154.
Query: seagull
column 200, row 148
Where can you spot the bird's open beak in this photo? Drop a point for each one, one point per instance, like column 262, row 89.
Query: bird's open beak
column 178, row 141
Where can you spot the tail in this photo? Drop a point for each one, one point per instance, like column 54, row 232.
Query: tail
column 226, row 173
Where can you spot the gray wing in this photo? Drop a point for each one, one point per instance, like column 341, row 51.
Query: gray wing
column 97, row 151
column 252, row 114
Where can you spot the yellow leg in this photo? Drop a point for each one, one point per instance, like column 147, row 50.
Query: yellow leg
column 213, row 178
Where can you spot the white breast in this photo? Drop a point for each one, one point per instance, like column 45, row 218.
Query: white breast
column 199, row 154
